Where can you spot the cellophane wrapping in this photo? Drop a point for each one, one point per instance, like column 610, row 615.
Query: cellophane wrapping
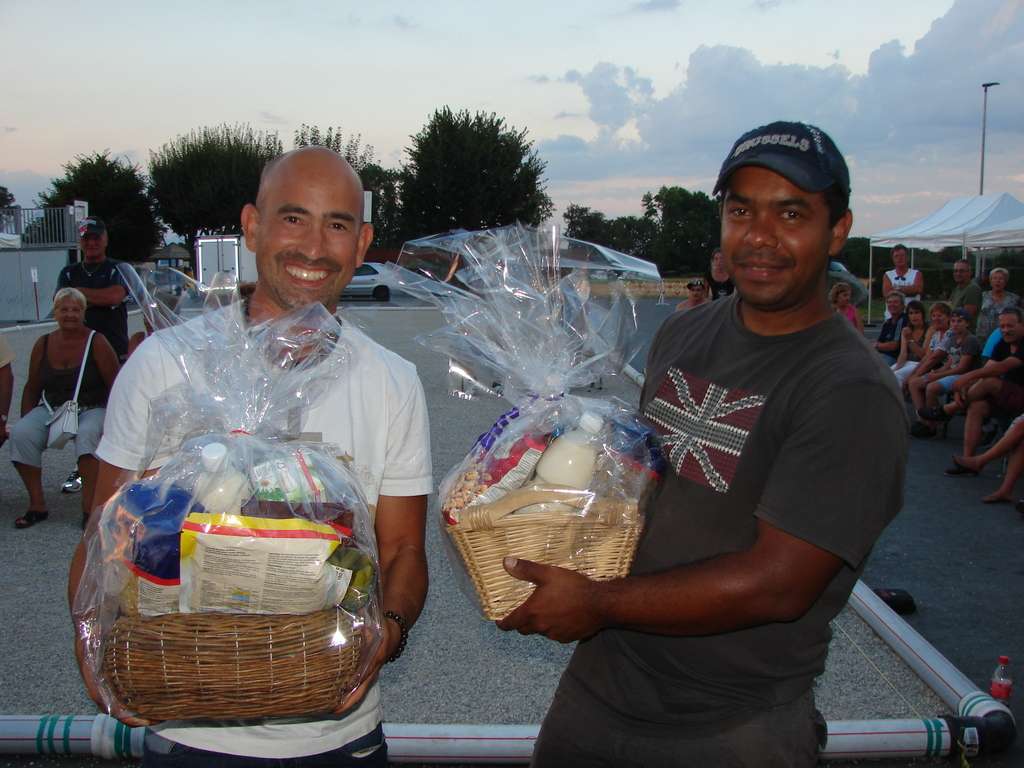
column 241, row 579
column 559, row 479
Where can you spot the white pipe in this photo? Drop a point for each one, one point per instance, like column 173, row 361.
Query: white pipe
column 948, row 682
column 103, row 736
column 474, row 744
column 875, row 739
column 97, row 735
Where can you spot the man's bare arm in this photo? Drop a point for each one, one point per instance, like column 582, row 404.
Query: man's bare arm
column 401, row 532
column 777, row 579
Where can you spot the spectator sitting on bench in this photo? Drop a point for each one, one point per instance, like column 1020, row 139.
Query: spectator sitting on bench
column 1011, row 442
column 957, row 354
column 913, row 342
column 888, row 344
column 997, row 388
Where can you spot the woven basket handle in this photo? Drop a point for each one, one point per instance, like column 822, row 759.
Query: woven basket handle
column 498, row 514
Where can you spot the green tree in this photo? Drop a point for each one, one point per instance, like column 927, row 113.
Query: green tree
column 633, row 235
column 629, row 234
column 383, row 183
column 352, row 149
column 587, row 224
column 116, row 192
column 471, row 171
column 202, row 179
column 6, row 198
column 687, row 229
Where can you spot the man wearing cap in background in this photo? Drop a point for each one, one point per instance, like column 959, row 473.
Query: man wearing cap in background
column 786, row 441
column 104, row 289
column 696, row 294
column 98, row 279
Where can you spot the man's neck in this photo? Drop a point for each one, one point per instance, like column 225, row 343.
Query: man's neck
column 784, row 322
column 260, row 307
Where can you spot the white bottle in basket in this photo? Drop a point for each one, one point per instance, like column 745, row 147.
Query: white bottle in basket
column 570, row 458
column 222, row 489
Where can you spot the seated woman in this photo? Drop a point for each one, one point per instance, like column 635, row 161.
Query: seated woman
column 53, row 373
column 915, row 340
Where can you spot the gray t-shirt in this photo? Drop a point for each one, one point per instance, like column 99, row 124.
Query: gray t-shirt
column 805, row 431
column 970, row 346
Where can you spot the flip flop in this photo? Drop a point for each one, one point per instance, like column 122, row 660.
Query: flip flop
column 959, row 469
column 996, row 500
column 30, row 518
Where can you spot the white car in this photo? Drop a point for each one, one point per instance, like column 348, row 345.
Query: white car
column 366, row 282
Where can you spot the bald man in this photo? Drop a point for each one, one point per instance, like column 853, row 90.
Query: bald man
column 307, row 231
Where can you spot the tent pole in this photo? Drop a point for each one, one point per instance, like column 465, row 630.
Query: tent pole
column 871, row 268
column 911, row 258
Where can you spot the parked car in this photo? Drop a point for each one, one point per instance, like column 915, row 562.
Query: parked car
column 838, row 273
column 367, row 282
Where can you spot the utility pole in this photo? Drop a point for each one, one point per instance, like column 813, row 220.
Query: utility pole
column 984, row 116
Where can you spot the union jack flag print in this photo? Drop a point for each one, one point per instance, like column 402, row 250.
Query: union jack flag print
column 703, row 426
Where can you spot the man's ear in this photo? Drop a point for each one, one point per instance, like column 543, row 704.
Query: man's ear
column 363, row 244
column 840, row 232
column 251, row 226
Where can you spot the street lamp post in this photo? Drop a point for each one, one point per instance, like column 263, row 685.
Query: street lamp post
column 984, row 115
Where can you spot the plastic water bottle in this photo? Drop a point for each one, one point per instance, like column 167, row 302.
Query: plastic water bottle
column 221, row 489
column 1002, row 683
column 570, row 458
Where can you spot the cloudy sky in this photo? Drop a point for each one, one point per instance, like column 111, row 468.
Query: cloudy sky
column 621, row 100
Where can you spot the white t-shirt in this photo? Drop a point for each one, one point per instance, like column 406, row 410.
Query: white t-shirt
column 376, row 414
column 905, row 281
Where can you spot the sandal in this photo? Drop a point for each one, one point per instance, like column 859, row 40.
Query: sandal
column 30, row 518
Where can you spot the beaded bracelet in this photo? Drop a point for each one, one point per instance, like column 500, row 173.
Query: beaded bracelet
column 403, row 637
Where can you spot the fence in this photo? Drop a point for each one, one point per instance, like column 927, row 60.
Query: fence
column 38, row 227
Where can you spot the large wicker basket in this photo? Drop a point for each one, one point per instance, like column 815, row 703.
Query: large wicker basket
column 227, row 666
column 600, row 543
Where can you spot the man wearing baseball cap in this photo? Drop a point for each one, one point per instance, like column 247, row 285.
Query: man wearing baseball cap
column 97, row 277
column 785, row 439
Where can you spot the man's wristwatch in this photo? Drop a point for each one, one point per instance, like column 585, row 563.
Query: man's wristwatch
column 403, row 637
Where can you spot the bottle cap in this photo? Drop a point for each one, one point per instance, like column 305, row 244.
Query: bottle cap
column 591, row 422
column 1004, row 659
column 213, row 456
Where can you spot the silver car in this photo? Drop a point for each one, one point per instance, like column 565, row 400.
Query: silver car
column 366, row 283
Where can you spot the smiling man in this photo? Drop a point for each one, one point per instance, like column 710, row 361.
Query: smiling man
column 306, row 229
column 786, row 440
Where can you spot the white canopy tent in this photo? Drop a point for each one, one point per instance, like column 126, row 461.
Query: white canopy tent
column 1004, row 235
column 957, row 223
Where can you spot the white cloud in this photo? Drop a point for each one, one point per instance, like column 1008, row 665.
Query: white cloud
column 915, row 112
column 654, row 6
column 272, row 118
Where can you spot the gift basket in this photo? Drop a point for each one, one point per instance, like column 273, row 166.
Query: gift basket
column 239, row 580
column 559, row 479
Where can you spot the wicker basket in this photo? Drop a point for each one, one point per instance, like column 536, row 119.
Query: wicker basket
column 225, row 666
column 599, row 544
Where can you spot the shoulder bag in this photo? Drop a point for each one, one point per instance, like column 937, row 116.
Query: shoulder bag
column 63, row 422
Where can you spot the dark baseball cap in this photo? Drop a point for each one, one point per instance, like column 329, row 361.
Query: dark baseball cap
column 961, row 312
column 91, row 226
column 802, row 153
